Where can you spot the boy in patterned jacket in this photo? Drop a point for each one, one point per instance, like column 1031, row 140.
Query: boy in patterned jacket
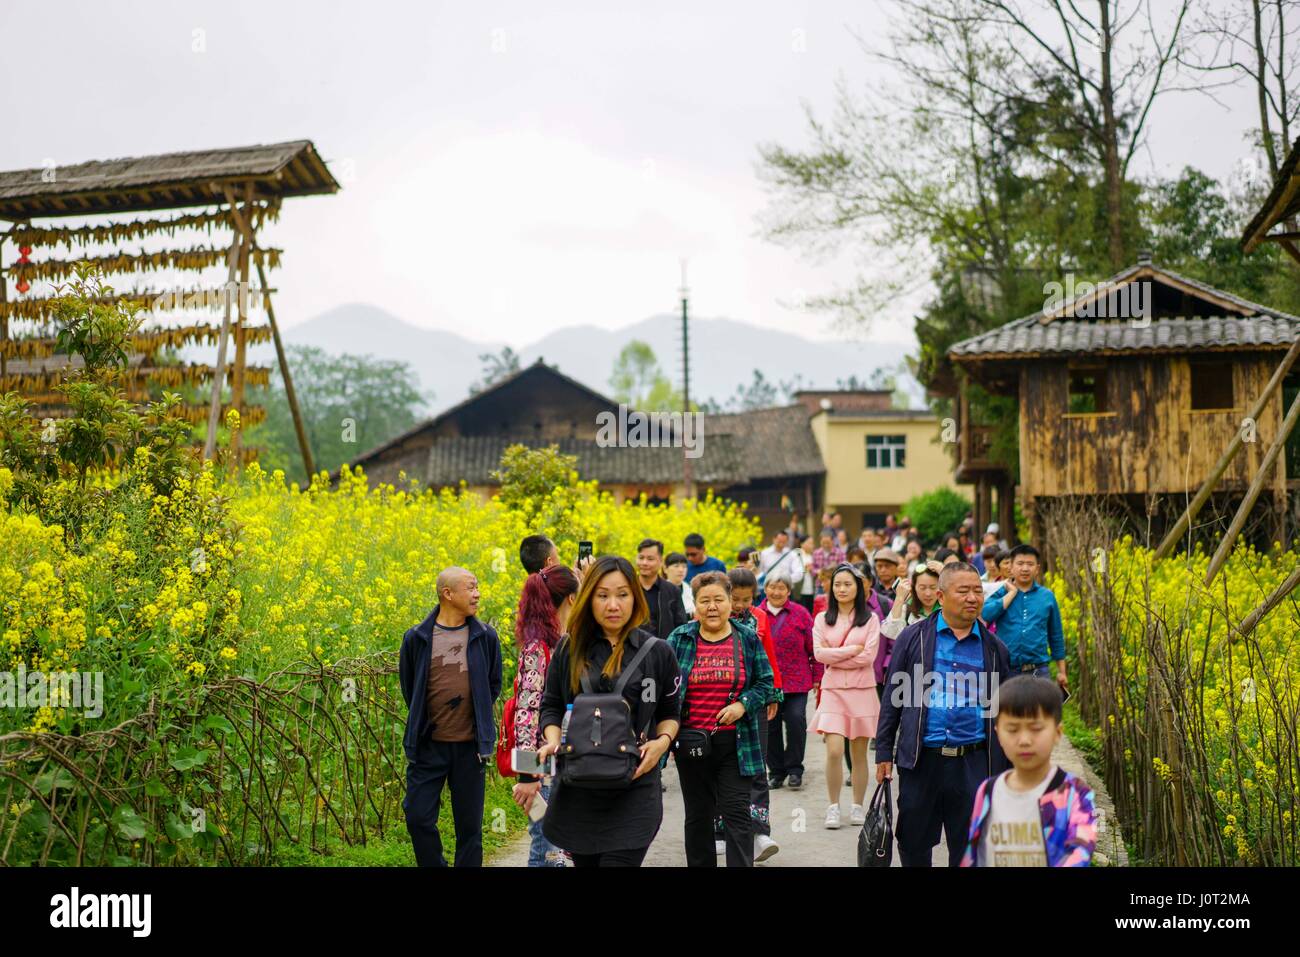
column 1036, row 814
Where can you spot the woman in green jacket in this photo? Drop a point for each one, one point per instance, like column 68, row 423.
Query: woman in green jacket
column 726, row 682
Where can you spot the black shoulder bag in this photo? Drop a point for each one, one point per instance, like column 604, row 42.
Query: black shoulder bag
column 694, row 743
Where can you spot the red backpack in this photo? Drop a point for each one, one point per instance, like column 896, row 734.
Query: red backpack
column 506, row 740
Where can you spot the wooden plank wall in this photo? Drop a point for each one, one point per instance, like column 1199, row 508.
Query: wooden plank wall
column 1153, row 443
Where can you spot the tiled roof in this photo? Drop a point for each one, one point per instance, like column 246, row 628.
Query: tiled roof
column 1028, row 335
column 1061, row 331
column 776, row 442
column 474, row 458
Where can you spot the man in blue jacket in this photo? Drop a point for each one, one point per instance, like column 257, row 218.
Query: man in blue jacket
column 450, row 670
column 1028, row 619
column 936, row 719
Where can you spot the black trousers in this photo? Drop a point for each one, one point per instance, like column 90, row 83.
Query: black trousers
column 631, row 857
column 939, row 793
column 457, row 765
column 785, row 751
column 714, row 786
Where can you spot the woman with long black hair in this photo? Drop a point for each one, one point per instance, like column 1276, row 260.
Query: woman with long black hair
column 846, row 638
column 544, row 605
column 607, row 827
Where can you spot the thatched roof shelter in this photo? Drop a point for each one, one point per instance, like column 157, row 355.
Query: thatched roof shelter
column 165, row 181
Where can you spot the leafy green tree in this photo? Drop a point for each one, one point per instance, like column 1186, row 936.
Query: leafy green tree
column 349, row 404
column 638, row 381
column 496, row 366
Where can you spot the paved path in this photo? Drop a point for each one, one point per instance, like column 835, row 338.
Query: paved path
column 798, row 819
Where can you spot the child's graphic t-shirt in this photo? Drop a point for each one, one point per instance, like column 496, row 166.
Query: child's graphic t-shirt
column 1013, row 833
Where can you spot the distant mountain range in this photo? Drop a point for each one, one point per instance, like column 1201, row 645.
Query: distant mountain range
column 724, row 352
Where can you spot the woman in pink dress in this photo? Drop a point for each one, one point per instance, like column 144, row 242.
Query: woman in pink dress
column 846, row 637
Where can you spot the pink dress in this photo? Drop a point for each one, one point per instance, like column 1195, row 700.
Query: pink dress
column 849, row 705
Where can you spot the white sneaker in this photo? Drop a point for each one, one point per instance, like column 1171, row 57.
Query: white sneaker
column 720, row 847
column 857, row 815
column 764, row 848
column 833, row 817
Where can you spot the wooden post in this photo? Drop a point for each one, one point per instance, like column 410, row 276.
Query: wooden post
column 241, row 342
column 4, row 316
column 218, row 374
column 808, row 501
column 1207, row 487
column 289, row 393
column 1252, row 494
column 983, row 501
column 1006, row 511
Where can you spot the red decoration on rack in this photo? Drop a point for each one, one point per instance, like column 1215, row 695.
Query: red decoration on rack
column 22, row 285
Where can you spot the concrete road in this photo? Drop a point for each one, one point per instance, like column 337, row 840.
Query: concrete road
column 798, row 819
column 798, row 822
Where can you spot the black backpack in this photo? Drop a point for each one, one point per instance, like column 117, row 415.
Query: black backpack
column 601, row 746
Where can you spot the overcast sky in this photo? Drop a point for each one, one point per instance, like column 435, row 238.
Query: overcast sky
column 508, row 168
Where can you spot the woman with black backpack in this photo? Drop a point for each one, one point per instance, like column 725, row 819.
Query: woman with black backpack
column 727, row 682
column 610, row 712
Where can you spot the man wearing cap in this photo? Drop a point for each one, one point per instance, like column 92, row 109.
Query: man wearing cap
column 889, row 565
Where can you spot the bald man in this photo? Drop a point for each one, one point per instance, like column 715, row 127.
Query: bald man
column 450, row 669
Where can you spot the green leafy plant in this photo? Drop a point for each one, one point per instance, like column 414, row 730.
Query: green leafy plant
column 935, row 513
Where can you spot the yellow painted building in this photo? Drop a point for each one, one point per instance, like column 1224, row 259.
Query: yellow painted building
column 877, row 459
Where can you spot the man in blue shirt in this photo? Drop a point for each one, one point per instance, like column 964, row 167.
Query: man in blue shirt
column 1028, row 619
column 936, row 719
column 697, row 560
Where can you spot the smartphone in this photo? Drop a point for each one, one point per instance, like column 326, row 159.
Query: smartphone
column 537, row 810
column 584, row 551
column 525, row 762
column 1065, row 695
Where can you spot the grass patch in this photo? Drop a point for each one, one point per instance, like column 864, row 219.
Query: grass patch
column 1083, row 736
column 503, row 821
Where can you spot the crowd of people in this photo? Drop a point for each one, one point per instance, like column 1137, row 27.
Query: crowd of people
column 950, row 666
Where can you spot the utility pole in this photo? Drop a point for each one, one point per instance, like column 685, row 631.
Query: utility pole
column 688, row 479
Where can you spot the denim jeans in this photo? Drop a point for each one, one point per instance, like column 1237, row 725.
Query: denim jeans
column 1041, row 671
column 541, row 852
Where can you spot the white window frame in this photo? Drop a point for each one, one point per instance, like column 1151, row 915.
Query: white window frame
column 891, row 451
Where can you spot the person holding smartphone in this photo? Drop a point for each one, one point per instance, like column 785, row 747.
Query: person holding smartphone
column 544, row 606
column 610, row 827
